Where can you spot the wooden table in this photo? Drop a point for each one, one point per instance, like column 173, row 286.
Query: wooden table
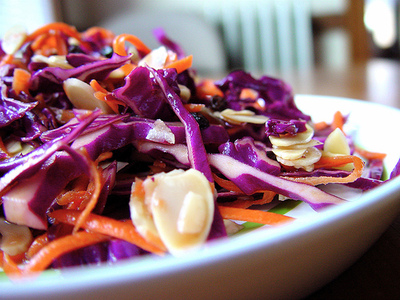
column 376, row 275
column 378, row 80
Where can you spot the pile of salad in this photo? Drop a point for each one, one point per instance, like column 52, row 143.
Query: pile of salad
column 111, row 150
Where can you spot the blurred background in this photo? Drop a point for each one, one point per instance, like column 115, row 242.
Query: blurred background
column 260, row 35
column 272, row 37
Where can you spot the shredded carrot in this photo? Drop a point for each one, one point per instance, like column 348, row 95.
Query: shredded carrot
column 97, row 87
column 21, row 81
column 226, row 184
column 39, row 42
column 252, row 215
column 104, row 95
column 335, row 161
column 207, row 88
column 60, row 246
column 111, row 101
column 193, row 107
column 10, row 267
column 108, row 226
column 73, row 197
column 243, row 203
column 53, row 27
column 248, row 94
column 7, row 59
column 338, row 121
column 370, row 155
column 320, row 125
column 181, row 64
column 60, row 45
column 106, row 35
column 119, row 44
column 38, row 243
column 331, row 162
column 127, row 69
column 268, row 196
column 97, row 185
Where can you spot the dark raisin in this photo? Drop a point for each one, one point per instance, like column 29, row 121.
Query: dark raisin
column 107, row 51
column 201, row 120
column 218, row 103
column 74, row 49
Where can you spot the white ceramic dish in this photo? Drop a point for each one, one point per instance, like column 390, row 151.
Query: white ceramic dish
column 288, row 262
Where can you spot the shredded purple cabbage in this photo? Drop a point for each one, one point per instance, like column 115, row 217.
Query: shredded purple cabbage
column 153, row 129
column 276, row 127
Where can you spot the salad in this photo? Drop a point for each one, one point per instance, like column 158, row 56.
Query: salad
column 111, row 150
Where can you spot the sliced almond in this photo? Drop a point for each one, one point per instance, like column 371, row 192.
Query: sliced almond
column 179, row 205
column 241, row 116
column 59, row 61
column 306, row 162
column 15, row 239
column 13, row 39
column 289, row 153
column 336, row 142
column 82, row 96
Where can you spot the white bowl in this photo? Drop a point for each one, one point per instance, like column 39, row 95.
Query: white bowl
column 288, row 262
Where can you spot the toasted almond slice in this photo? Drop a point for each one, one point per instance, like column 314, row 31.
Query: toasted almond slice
column 177, row 207
column 13, row 39
column 242, row 116
column 311, row 156
column 141, row 214
column 15, row 239
column 59, row 61
column 336, row 143
column 183, row 210
column 311, row 143
column 300, row 138
column 82, row 96
column 290, row 154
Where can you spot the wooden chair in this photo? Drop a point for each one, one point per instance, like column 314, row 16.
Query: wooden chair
column 265, row 35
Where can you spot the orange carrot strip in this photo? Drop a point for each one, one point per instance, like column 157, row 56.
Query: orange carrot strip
column 38, row 42
column 252, row 215
column 112, row 103
column 104, row 95
column 193, row 107
column 207, row 88
column 56, row 26
column 127, row 69
column 226, row 184
column 369, row 155
column 97, row 185
column 106, row 35
column 268, row 196
column 60, row 246
column 338, row 121
column 247, row 93
column 71, row 197
column 330, row 162
column 60, row 45
column 119, row 44
column 182, row 64
column 320, row 125
column 7, row 59
column 104, row 225
column 36, row 245
column 335, row 161
column 10, row 267
column 21, row 81
column 97, row 87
